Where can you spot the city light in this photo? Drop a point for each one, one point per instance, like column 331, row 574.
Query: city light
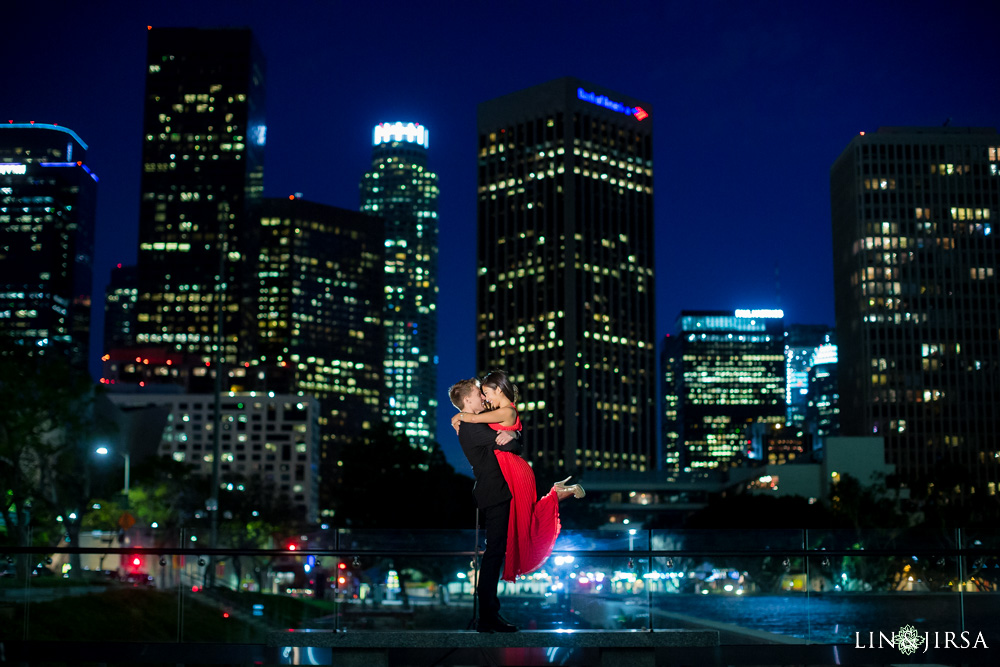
column 607, row 103
column 761, row 313
column 413, row 133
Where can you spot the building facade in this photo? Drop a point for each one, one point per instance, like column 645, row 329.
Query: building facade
column 320, row 308
column 565, row 298
column 402, row 191
column 916, row 297
column 119, row 308
column 801, row 343
column 202, row 157
column 727, row 373
column 671, row 445
column 271, row 438
column 47, row 218
column 823, row 405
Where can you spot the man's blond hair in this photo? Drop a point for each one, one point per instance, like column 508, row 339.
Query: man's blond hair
column 460, row 391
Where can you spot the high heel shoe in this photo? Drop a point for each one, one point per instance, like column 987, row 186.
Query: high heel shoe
column 577, row 489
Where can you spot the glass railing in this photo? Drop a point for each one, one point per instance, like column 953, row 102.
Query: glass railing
column 780, row 587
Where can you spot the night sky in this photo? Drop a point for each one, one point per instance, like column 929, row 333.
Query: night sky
column 752, row 103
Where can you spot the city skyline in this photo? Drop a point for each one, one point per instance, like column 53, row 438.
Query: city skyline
column 752, row 111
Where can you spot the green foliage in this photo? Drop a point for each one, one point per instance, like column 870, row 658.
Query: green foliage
column 389, row 484
column 864, row 507
column 943, row 502
column 46, row 432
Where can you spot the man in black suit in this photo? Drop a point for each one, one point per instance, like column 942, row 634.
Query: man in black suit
column 492, row 497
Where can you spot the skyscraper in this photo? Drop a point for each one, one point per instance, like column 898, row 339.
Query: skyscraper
column 671, row 372
column 823, row 405
column 202, row 158
column 321, row 303
column 119, row 308
column 401, row 190
column 726, row 373
column 917, row 298
column 565, row 269
column 801, row 343
column 47, row 216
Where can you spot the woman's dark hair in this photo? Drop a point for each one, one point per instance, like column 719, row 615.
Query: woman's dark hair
column 498, row 380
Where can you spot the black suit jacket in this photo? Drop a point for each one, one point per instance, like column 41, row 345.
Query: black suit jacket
column 478, row 442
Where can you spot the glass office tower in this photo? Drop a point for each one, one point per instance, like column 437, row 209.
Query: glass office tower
column 823, row 406
column 47, row 216
column 725, row 373
column 801, row 343
column 401, row 190
column 202, row 162
column 119, row 308
column 565, row 270
column 320, row 308
column 917, row 298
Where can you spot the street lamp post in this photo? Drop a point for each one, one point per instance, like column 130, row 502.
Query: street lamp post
column 104, row 451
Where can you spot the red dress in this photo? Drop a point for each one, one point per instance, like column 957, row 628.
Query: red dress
column 534, row 525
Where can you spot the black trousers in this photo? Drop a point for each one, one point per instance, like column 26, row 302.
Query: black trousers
column 495, row 518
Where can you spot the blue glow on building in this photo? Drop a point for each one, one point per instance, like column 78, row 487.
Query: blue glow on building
column 259, row 134
column 47, row 126
column 71, row 164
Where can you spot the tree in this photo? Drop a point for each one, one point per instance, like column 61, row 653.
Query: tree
column 389, row 484
column 253, row 514
column 46, row 431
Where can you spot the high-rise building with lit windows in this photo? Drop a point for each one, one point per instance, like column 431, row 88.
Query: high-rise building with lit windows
column 917, row 297
column 401, row 190
column 671, row 444
column 801, row 344
column 119, row 308
column 47, row 216
column 202, row 170
column 726, row 373
column 823, row 405
column 565, row 270
column 269, row 439
column 320, row 308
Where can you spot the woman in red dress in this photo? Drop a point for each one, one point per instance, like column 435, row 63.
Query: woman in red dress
column 534, row 523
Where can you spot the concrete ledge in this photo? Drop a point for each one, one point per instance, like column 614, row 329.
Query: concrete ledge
column 627, row 639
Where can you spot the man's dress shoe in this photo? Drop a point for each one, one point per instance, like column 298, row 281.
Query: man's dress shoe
column 497, row 624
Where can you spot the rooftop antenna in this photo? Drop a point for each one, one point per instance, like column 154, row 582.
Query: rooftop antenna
column 947, row 122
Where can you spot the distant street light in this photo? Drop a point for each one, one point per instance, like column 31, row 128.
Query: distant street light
column 104, row 451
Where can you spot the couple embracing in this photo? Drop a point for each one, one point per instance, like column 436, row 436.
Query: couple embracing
column 521, row 529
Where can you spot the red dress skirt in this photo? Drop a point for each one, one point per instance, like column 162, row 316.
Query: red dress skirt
column 534, row 523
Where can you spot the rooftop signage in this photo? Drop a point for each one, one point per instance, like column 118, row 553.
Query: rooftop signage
column 607, row 103
column 414, row 133
column 761, row 313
